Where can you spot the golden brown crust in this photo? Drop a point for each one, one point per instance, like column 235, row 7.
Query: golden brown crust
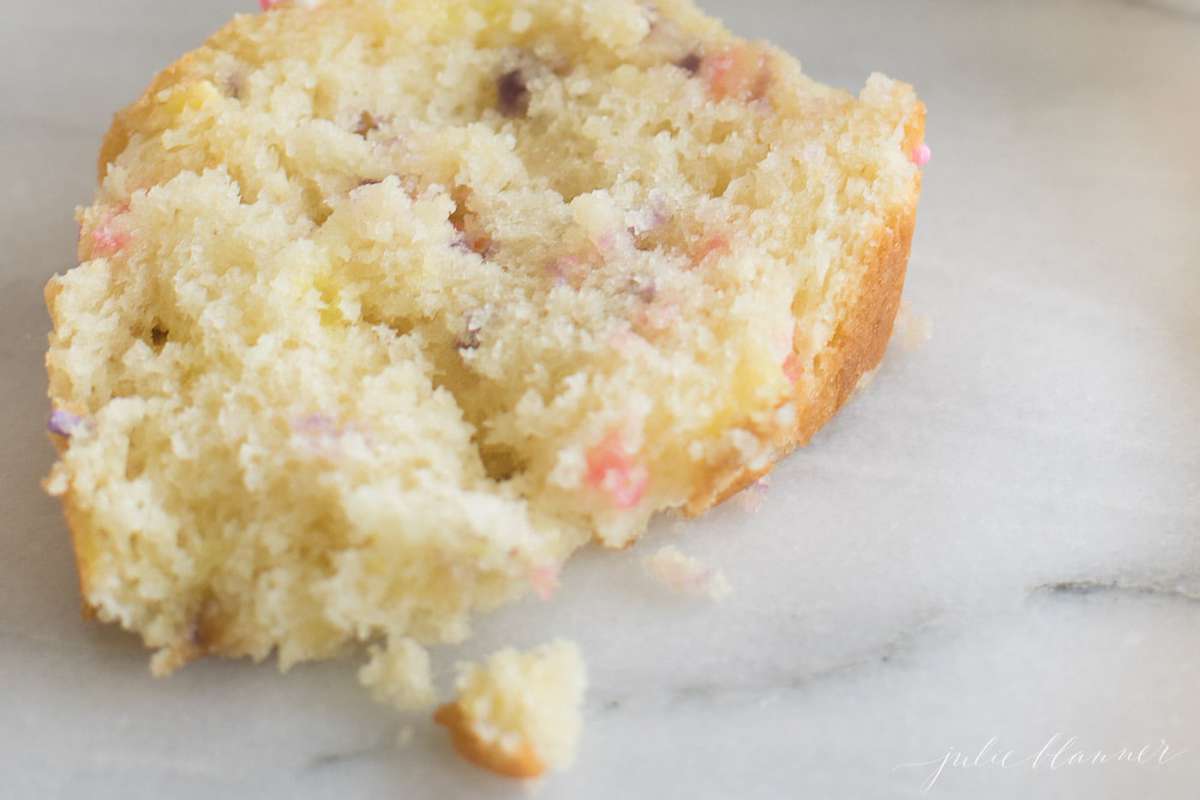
column 119, row 133
column 524, row 763
column 207, row 634
column 857, row 346
column 83, row 553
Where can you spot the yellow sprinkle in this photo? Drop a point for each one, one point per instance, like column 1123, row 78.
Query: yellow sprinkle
column 193, row 95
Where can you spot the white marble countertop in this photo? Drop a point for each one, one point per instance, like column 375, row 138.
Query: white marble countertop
column 995, row 548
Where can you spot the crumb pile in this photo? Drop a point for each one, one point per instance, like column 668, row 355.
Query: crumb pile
column 385, row 308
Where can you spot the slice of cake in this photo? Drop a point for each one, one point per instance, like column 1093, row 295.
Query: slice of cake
column 385, row 308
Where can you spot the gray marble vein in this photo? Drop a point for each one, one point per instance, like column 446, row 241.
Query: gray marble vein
column 1091, row 587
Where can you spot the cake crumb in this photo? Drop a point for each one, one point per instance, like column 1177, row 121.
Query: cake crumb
column 687, row 575
column 912, row 329
column 518, row 713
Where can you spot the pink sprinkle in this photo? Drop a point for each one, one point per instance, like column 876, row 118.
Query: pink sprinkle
column 648, row 219
column 626, row 341
column 544, row 581
column 719, row 67
column 715, row 243
column 566, row 271
column 325, row 436
column 316, row 425
column 612, row 242
column 107, row 237
column 793, row 367
column 741, row 72
column 612, row 470
column 627, row 488
column 657, row 316
column 921, row 155
column 267, row 5
column 106, row 241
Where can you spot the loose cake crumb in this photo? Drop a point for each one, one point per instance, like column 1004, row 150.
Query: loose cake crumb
column 682, row 573
column 518, row 714
column 912, row 329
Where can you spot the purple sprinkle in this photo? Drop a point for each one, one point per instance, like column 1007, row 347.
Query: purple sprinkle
column 689, row 63
column 233, row 85
column 514, row 94
column 316, row 425
column 644, row 288
column 470, row 340
column 63, row 423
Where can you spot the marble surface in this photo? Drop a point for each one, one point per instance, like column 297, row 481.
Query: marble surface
column 995, row 550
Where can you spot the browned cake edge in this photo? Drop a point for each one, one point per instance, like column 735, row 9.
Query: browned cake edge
column 856, row 348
